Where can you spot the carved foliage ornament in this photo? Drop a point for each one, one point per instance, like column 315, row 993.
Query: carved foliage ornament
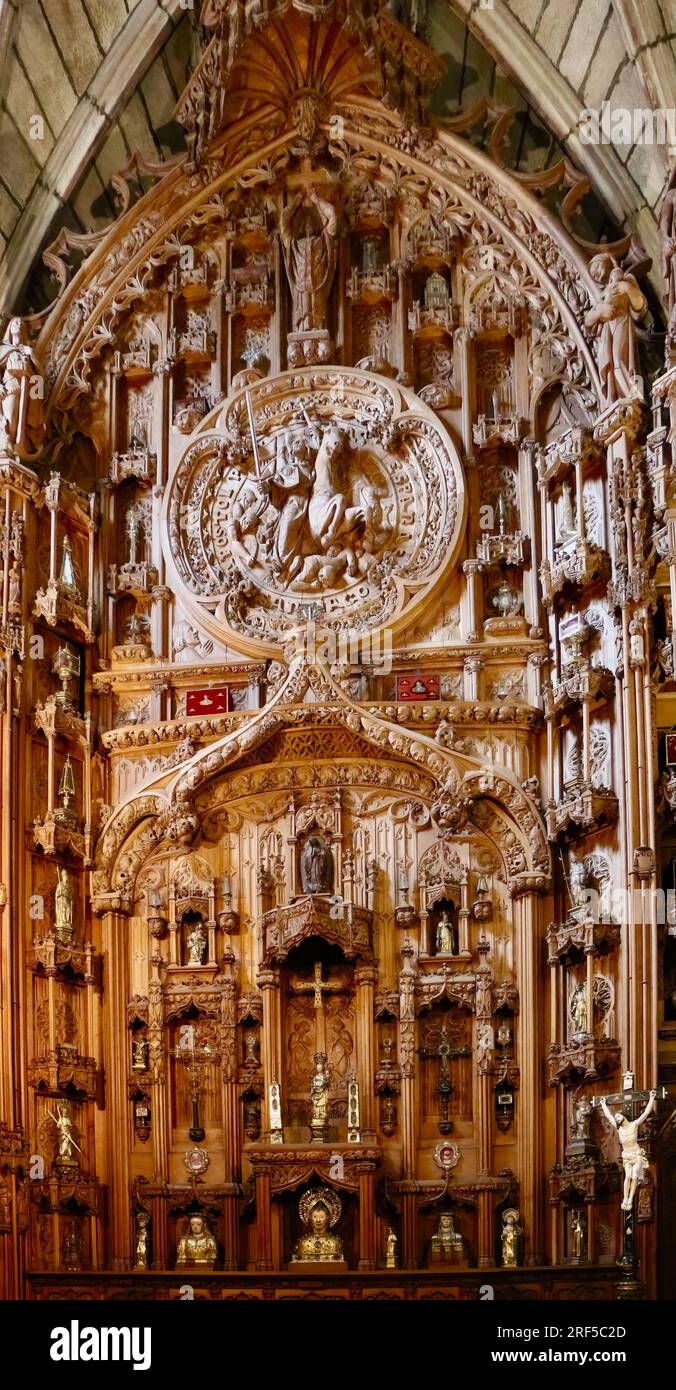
column 353, row 506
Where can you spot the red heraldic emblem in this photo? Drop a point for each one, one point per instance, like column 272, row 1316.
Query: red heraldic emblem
column 210, row 701
column 417, row 687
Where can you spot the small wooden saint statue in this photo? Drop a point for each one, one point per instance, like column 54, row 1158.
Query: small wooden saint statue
column 140, row 1051
column 578, row 1232
column 566, row 530
column 446, row 938
column 579, row 1011
column 579, row 893
column 308, row 228
column 142, row 1239
column 316, row 866
column 511, row 1231
column 65, row 1156
column 197, row 1246
column 14, row 597
column 391, row 1250
column 582, row 1118
column 197, row 943
column 319, row 1210
column 614, row 318
column 319, row 1100
column 63, row 908
column 21, row 408
column 72, row 1246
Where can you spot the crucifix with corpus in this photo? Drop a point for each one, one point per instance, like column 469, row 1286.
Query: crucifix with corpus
column 194, row 1054
column 630, row 1109
column 320, row 1082
column 438, row 1044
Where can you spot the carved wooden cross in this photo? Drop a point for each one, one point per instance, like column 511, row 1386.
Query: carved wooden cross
column 320, row 1017
column 318, row 984
column 629, row 1101
column 193, row 1055
column 444, row 1050
column 318, row 988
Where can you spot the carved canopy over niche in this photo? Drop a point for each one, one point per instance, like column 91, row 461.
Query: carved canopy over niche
column 354, row 504
column 440, row 868
column 192, row 884
column 500, row 806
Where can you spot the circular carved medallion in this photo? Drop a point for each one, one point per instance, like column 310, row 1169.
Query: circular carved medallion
column 348, row 511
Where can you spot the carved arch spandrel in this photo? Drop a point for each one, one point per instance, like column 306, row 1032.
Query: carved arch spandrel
column 496, row 801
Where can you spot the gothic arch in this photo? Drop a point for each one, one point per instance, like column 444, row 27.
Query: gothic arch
column 468, row 190
column 460, row 779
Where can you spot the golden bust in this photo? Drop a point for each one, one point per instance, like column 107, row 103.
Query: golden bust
column 197, row 1245
column 319, row 1210
column 446, row 1243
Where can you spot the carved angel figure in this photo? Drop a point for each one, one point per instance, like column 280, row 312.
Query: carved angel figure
column 20, row 395
column 614, row 317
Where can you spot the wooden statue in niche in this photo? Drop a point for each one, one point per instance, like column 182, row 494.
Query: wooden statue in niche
column 195, row 938
column 319, row 1100
column 308, row 231
column 64, row 901
column 316, row 865
column 445, row 929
